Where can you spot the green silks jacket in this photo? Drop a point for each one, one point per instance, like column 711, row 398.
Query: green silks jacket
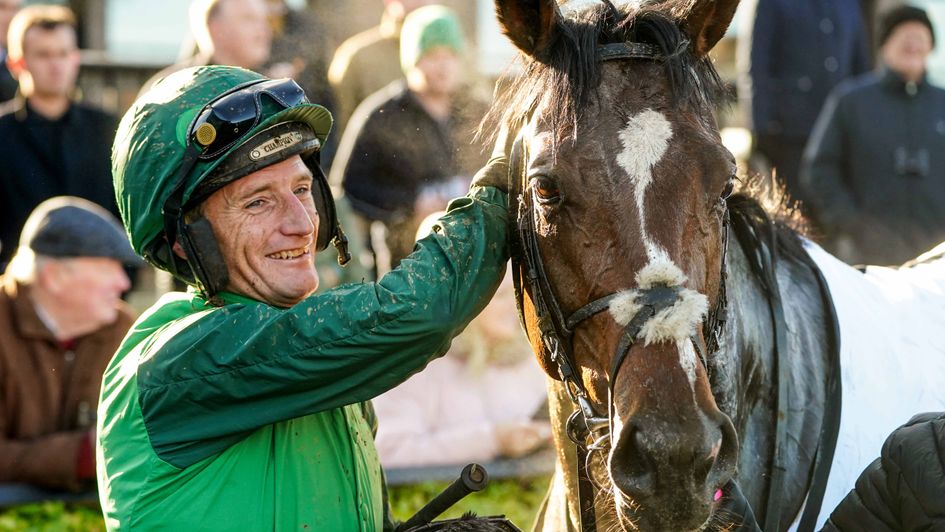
column 247, row 416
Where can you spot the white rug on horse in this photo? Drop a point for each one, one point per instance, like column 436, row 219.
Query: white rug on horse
column 892, row 357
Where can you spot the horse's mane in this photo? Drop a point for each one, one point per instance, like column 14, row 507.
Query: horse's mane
column 568, row 72
column 767, row 233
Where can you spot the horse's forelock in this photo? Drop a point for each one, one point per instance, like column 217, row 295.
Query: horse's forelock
column 564, row 78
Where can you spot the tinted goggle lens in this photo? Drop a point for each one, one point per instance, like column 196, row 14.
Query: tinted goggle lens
column 224, row 121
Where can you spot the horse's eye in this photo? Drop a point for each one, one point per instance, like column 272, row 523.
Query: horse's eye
column 546, row 189
column 729, row 188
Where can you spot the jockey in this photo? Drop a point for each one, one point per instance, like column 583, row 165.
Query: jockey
column 240, row 404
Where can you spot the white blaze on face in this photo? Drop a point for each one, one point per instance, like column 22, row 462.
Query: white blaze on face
column 688, row 360
column 645, row 140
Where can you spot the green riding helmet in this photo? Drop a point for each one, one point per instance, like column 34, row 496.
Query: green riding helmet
column 192, row 133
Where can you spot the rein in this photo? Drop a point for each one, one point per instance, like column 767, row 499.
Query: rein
column 586, row 427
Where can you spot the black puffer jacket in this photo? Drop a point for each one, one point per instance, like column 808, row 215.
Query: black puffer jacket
column 904, row 489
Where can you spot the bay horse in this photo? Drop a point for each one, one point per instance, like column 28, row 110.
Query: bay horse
column 693, row 334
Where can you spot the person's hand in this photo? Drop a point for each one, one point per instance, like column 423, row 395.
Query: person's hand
column 520, row 438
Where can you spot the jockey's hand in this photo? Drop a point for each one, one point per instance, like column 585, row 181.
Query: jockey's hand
column 496, row 172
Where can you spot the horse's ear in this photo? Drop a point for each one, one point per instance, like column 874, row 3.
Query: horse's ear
column 530, row 24
column 705, row 21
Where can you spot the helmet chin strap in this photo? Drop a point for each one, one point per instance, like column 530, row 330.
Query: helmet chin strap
column 203, row 256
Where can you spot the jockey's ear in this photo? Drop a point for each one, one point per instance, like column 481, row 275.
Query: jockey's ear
column 530, row 24
column 704, row 21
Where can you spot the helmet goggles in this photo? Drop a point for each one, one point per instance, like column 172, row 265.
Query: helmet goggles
column 227, row 119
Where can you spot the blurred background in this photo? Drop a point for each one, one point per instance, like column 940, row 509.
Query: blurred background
column 124, row 42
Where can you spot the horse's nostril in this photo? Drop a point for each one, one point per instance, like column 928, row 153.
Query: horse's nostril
column 724, row 455
column 632, row 467
column 704, row 466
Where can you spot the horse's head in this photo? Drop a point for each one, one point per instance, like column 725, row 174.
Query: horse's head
column 623, row 180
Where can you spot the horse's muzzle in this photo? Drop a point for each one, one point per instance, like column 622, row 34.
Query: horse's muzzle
column 669, row 473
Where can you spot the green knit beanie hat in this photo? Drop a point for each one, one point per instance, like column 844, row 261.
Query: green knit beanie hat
column 427, row 28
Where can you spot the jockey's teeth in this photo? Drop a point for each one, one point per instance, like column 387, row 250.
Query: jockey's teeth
column 291, row 254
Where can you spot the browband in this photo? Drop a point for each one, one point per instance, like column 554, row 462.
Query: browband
column 627, row 50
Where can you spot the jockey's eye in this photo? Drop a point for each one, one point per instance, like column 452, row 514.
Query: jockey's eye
column 546, row 189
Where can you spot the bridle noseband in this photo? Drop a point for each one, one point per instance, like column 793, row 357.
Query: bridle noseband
column 588, row 429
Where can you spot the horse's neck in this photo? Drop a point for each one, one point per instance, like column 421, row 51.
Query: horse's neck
column 744, row 375
column 560, row 511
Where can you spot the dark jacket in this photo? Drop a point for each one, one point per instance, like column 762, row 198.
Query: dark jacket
column 800, row 50
column 8, row 83
column 42, row 158
column 393, row 148
column 874, row 170
column 904, row 489
column 48, row 392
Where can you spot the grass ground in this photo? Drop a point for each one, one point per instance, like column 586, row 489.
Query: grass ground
column 518, row 499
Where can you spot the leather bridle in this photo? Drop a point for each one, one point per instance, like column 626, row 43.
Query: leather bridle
column 587, row 428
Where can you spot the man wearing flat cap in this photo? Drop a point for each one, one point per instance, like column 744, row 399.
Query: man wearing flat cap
column 61, row 319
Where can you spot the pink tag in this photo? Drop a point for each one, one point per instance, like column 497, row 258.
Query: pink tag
column 718, row 495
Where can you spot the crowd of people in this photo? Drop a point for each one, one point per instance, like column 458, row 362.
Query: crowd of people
column 853, row 129
column 216, row 174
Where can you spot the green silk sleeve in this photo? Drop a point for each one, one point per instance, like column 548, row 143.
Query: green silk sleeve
column 246, row 364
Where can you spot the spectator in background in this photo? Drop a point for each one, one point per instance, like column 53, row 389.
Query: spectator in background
column 300, row 51
column 875, row 166
column 51, row 145
column 227, row 32
column 798, row 51
column 367, row 62
column 408, row 149
column 8, row 84
column 61, row 319
column 478, row 403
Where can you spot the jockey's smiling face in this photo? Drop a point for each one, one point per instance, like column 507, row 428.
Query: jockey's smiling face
column 266, row 224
